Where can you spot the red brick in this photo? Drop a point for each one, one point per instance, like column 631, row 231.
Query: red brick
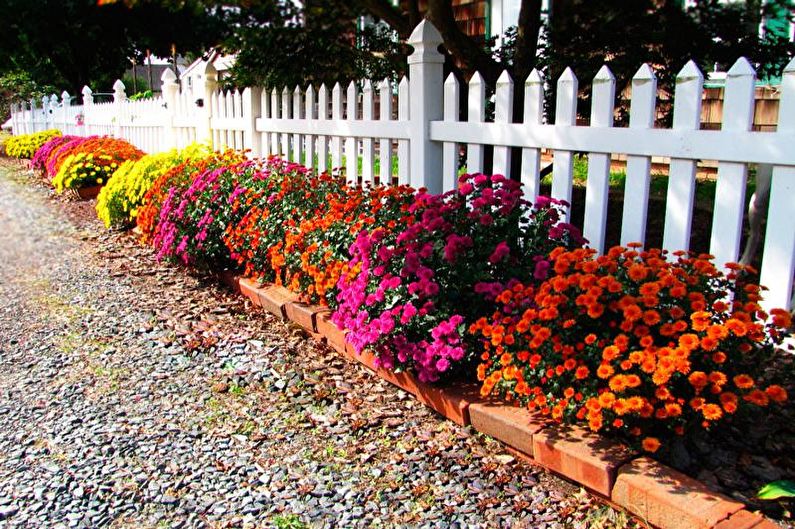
column 668, row 499
column 334, row 336
column 743, row 520
column 304, row 315
column 582, row 456
column 274, row 299
column 250, row 289
column 454, row 401
column 512, row 425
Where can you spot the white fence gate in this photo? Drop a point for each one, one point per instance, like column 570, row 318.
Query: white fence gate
column 418, row 123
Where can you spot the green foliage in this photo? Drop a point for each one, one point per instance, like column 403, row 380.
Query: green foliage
column 288, row 521
column 146, row 94
column 274, row 49
column 777, row 490
column 19, row 86
column 94, row 41
column 25, row 145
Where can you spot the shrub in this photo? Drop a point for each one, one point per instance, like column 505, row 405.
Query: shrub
column 411, row 292
column 632, row 342
column 63, row 151
column 316, row 252
column 277, row 201
column 119, row 200
column 173, row 182
column 92, row 162
column 43, row 153
column 25, row 145
column 193, row 219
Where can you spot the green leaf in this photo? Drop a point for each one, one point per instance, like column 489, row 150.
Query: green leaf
column 778, row 489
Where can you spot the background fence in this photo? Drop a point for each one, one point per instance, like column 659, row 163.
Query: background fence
column 412, row 132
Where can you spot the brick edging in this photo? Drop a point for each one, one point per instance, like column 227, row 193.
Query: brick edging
column 655, row 493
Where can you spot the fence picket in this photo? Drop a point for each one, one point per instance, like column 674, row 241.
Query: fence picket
column 503, row 113
column 565, row 115
column 533, row 116
column 286, row 114
column 336, row 115
column 682, row 173
column 368, row 151
column 351, row 152
column 476, row 105
column 275, row 114
column 385, row 145
column 297, row 114
column 309, row 113
column 778, row 261
column 598, row 184
column 738, row 114
column 265, row 106
column 322, row 141
column 452, row 94
column 403, row 145
column 636, row 187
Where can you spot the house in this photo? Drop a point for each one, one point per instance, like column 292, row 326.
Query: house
column 193, row 75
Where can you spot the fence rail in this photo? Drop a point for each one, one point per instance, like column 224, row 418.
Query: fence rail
column 365, row 127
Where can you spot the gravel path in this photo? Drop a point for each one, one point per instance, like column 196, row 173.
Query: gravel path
column 135, row 395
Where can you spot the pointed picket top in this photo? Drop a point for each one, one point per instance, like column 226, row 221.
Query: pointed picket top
column 644, row 73
column 296, row 91
column 476, row 80
column 689, row 72
column 65, row 95
column 285, row 92
column 425, row 33
column 567, row 76
column 310, row 91
column 404, row 82
column 644, row 98
column 604, row 75
column 385, row 84
column 352, row 87
column 367, row 86
column 741, row 68
column 566, row 101
column 86, row 91
column 118, row 86
column 168, row 76
column 46, row 100
column 337, row 89
column 504, row 78
column 451, row 80
column 535, row 78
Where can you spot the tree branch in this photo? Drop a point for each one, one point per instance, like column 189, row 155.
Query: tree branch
column 466, row 51
column 384, row 10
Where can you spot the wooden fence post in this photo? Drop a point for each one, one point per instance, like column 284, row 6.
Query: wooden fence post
column 169, row 88
column 119, row 97
column 426, row 89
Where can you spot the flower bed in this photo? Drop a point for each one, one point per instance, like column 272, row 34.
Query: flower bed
column 89, row 163
column 632, row 343
column 26, row 145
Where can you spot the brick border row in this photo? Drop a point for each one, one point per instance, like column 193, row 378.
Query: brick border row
column 659, row 495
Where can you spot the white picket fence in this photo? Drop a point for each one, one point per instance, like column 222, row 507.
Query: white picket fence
column 418, row 123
